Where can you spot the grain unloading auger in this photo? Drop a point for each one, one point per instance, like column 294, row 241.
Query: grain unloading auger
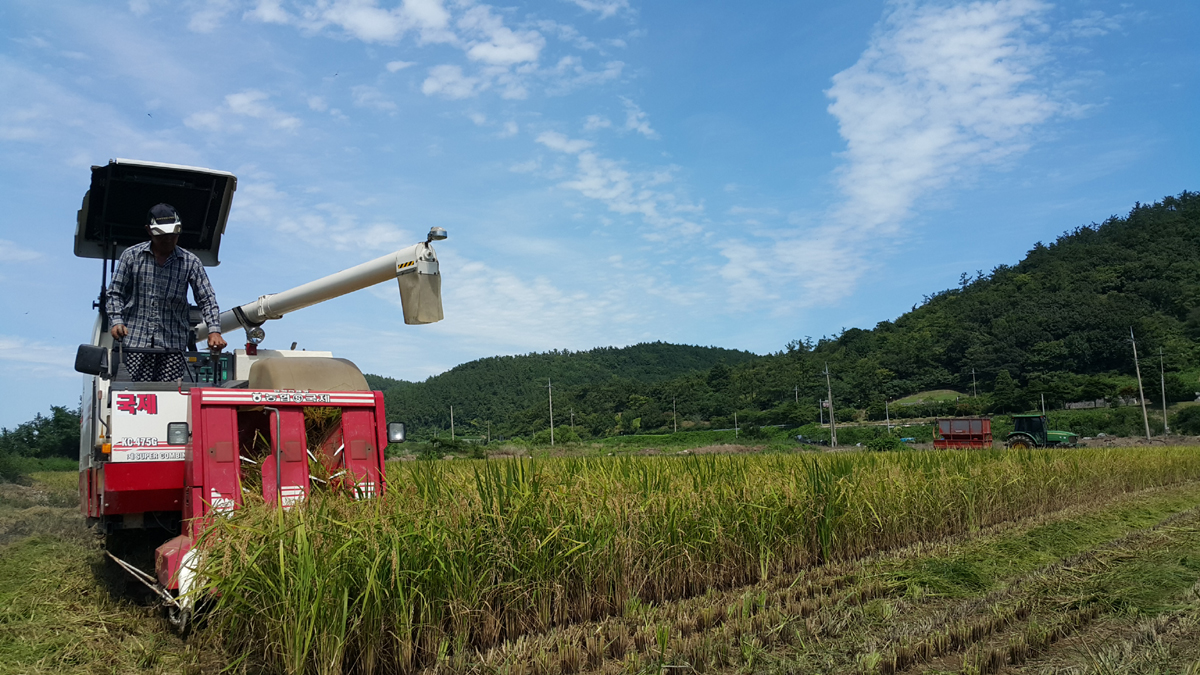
column 173, row 456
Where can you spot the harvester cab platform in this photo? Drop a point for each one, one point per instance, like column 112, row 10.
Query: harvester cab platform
column 254, row 425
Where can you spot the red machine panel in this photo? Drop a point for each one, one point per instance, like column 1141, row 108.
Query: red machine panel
column 138, row 488
column 364, row 469
column 288, row 437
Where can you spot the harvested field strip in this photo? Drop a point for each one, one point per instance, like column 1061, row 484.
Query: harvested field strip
column 1136, row 573
column 465, row 556
column 61, row 607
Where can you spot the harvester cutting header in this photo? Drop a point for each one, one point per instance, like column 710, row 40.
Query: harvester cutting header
column 256, row 423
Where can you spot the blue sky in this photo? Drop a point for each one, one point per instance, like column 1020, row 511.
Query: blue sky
column 609, row 171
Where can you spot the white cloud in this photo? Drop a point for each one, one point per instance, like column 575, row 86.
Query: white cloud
column 637, row 120
column 35, row 357
column 67, row 127
column 205, row 121
column 370, row 97
column 11, row 252
column 623, row 192
column 519, row 312
column 939, row 92
column 510, row 129
column 504, row 58
column 207, row 14
column 605, row 8
column 496, row 44
column 139, row 7
column 753, row 211
column 566, row 33
column 253, row 103
column 317, row 103
column 560, row 143
column 448, row 81
column 526, row 167
column 594, row 122
column 570, row 74
column 250, row 103
column 363, row 19
column 324, row 226
column 1095, row 24
column 269, row 11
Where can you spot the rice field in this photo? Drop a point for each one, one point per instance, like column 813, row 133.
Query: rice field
column 464, row 562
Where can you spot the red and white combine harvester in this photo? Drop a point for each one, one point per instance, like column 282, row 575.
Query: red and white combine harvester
column 170, row 456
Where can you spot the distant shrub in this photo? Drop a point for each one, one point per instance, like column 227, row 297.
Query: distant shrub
column 753, row 432
column 884, row 444
column 1187, row 421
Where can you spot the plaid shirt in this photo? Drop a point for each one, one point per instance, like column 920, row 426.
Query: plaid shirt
column 152, row 300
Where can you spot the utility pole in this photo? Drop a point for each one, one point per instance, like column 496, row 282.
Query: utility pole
column 489, row 432
column 887, row 415
column 974, row 389
column 550, row 389
column 735, row 426
column 832, row 423
column 821, row 411
column 452, row 423
column 796, row 390
column 1043, row 405
column 1141, row 392
column 572, row 420
column 674, row 418
column 1162, row 378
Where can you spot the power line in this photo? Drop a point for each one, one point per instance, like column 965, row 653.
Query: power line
column 550, row 388
column 1162, row 379
column 1141, row 392
column 832, row 423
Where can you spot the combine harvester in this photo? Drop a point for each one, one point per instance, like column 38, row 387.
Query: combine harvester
column 171, row 456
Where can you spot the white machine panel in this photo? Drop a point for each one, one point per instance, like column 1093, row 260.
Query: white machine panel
column 139, row 425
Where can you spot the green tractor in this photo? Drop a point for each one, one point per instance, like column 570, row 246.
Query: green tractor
column 1029, row 431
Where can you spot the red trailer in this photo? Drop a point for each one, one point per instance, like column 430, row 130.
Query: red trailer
column 963, row 432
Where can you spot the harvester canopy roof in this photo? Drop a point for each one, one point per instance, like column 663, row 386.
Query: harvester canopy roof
column 113, row 216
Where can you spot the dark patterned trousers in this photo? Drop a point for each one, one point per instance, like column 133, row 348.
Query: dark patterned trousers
column 154, row 367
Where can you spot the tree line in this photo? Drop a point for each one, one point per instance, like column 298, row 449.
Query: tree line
column 1054, row 325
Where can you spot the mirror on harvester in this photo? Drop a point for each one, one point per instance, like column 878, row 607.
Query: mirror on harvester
column 395, row 432
column 91, row 360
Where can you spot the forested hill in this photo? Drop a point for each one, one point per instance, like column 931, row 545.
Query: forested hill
column 1056, row 323
column 499, row 387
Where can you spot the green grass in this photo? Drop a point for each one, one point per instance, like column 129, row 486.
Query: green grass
column 932, row 396
column 56, row 613
column 982, row 565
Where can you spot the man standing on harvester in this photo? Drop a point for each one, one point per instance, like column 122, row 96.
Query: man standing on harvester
column 147, row 300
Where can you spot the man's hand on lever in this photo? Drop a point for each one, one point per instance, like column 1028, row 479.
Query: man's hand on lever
column 119, row 331
column 215, row 341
